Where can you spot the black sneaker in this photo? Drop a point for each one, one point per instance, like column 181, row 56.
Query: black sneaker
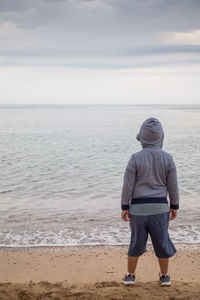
column 128, row 279
column 165, row 279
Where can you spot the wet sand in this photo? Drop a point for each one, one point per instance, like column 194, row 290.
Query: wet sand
column 94, row 272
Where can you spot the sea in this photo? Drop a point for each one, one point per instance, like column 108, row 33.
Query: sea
column 62, row 171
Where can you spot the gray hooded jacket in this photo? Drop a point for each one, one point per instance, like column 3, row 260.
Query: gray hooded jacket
column 150, row 174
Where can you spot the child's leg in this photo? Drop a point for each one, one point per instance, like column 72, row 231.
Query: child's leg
column 132, row 263
column 163, row 262
column 138, row 241
column 163, row 246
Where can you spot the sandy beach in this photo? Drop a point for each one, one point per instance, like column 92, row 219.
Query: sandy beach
column 94, row 272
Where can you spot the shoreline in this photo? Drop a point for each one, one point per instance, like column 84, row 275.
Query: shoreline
column 179, row 247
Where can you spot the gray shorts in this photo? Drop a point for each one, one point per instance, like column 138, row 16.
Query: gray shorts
column 157, row 227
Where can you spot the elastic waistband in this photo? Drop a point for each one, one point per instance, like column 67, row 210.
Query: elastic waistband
column 149, row 200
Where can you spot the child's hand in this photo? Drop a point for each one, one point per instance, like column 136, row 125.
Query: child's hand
column 173, row 214
column 125, row 215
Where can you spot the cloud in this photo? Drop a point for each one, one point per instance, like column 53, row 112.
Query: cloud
column 99, row 33
column 185, row 38
column 7, row 28
column 114, row 51
column 132, row 15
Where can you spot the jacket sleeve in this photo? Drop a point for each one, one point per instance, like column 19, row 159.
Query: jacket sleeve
column 172, row 186
column 128, row 184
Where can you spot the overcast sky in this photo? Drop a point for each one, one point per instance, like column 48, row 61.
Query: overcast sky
column 99, row 51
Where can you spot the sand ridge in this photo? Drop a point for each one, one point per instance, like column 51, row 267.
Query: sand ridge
column 100, row 290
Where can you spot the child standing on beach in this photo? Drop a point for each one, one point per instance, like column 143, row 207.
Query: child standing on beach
column 150, row 175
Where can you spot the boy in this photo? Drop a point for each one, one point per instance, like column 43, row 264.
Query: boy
column 150, row 175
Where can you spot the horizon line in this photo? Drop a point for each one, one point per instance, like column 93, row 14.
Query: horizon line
column 98, row 104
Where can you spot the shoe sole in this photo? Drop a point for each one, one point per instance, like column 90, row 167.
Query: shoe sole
column 128, row 282
column 165, row 283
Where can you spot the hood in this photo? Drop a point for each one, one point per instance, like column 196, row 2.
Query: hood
column 151, row 133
